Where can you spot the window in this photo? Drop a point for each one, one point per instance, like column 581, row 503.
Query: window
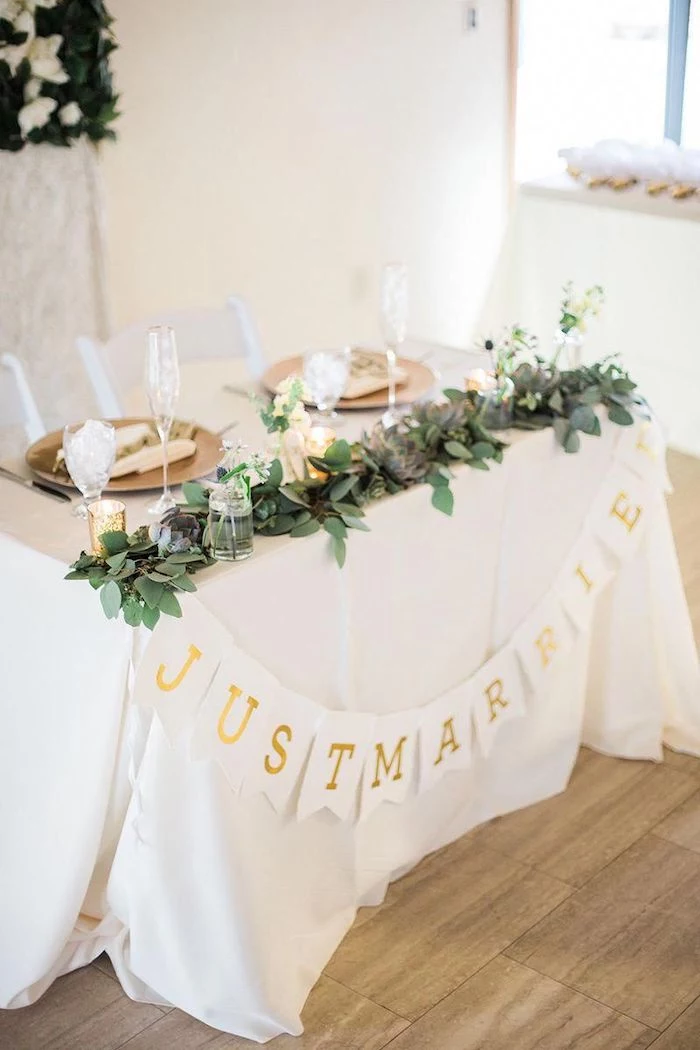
column 597, row 69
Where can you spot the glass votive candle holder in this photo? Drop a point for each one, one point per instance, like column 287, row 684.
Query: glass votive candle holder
column 105, row 515
column 497, row 409
column 480, row 381
column 318, row 441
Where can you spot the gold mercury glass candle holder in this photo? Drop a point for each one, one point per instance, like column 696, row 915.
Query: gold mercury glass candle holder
column 105, row 515
column 318, row 441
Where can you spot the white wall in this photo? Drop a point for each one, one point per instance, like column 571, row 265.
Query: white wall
column 284, row 149
column 647, row 260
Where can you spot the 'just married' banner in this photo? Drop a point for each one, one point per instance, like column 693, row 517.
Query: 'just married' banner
column 226, row 707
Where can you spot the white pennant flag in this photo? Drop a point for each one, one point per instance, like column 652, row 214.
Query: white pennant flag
column 290, row 728
column 177, row 667
column 498, row 696
column 445, row 736
column 543, row 639
column 391, row 760
column 642, row 448
column 583, row 578
column 232, row 721
column 619, row 512
column 336, row 763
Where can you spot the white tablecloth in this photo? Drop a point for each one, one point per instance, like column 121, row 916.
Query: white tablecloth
column 215, row 903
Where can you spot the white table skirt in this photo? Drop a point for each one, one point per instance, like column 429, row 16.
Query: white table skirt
column 215, row 903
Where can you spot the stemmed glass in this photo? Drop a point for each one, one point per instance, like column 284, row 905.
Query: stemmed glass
column 394, row 321
column 326, row 373
column 89, row 449
column 163, row 390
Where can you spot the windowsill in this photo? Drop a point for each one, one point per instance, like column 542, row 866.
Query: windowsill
column 564, row 188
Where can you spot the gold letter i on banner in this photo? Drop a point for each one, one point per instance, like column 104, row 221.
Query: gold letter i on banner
column 230, row 738
column 193, row 654
column 585, row 580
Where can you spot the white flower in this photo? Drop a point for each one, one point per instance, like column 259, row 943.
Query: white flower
column 42, row 3
column 44, row 60
column 299, row 419
column 32, row 89
column 279, row 406
column 13, row 55
column 35, row 114
column 70, row 114
column 10, row 9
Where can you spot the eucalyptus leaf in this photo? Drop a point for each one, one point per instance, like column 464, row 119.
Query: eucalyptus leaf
column 458, row 450
column 443, row 500
column 307, row 528
column 75, row 574
column 483, row 450
column 453, row 394
column 133, row 612
column 184, row 583
column 348, row 508
column 561, row 430
column 556, row 402
column 114, row 541
column 583, row 418
column 294, row 497
column 149, row 590
column 478, row 464
column 115, row 561
column 338, row 454
column 339, row 549
column 342, row 486
column 195, row 493
column 111, row 599
column 618, row 414
column 335, row 527
column 150, row 616
column 169, row 604
column 355, row 523
column 276, row 474
column 572, row 442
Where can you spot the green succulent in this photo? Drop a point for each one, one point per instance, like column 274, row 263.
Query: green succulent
column 396, row 454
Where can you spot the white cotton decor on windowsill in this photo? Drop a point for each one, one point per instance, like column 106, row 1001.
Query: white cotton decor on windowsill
column 665, row 168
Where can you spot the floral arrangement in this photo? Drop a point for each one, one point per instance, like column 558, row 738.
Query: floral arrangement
column 286, row 410
column 142, row 573
column 55, row 81
column 423, row 447
column 574, row 311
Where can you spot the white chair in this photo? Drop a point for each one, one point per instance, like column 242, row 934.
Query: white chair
column 17, row 405
column 115, row 368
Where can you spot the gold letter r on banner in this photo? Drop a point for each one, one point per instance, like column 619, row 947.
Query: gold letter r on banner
column 193, row 654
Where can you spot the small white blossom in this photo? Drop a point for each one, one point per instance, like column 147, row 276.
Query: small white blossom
column 36, row 114
column 70, row 114
column 32, row 89
column 44, row 60
column 10, row 9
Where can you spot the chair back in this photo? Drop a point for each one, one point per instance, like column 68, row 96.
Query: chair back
column 116, row 367
column 18, row 409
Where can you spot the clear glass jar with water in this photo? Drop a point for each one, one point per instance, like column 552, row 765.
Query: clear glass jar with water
column 230, row 523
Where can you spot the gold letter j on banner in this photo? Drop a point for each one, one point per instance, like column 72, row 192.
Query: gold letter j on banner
column 193, row 654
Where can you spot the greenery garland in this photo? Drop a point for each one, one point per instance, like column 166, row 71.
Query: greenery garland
column 55, row 80
column 142, row 573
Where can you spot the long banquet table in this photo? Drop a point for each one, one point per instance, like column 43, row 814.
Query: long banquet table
column 113, row 838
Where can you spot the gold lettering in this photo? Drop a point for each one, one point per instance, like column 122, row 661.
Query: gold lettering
column 547, row 645
column 230, row 738
column 279, row 748
column 342, row 749
column 586, row 580
column 625, row 512
column 642, row 445
column 495, row 697
column 396, row 757
column 448, row 740
column 193, row 654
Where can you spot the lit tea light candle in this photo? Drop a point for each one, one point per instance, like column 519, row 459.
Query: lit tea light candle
column 105, row 515
column 318, row 441
column 480, row 381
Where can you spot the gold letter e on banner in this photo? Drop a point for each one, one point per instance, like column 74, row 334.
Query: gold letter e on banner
column 193, row 654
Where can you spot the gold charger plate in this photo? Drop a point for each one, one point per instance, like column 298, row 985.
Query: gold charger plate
column 42, row 455
column 419, row 381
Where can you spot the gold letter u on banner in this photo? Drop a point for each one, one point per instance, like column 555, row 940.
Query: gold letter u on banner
column 230, row 738
column 193, row 654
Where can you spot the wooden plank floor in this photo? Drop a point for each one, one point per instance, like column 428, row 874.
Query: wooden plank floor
column 598, row 950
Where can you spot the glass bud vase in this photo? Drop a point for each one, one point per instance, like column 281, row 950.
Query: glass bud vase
column 498, row 405
column 230, row 524
column 568, row 349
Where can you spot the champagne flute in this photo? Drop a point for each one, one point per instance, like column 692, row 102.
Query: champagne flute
column 326, row 373
column 394, row 321
column 162, row 389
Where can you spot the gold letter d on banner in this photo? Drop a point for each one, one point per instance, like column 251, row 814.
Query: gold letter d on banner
column 193, row 654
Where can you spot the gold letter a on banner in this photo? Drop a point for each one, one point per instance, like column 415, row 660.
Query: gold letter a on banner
column 193, row 654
